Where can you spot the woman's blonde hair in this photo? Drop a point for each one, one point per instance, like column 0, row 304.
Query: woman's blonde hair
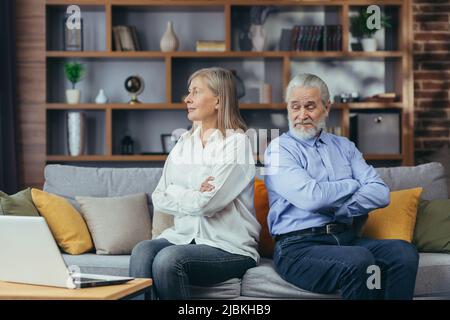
column 221, row 83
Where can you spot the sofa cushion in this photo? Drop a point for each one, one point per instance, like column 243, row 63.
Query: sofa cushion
column 70, row 181
column 19, row 204
column 264, row 282
column 112, row 265
column 397, row 220
column 116, row 224
column 118, row 265
column 66, row 224
column 433, row 279
column 261, row 203
column 160, row 222
column 432, row 227
column 431, row 177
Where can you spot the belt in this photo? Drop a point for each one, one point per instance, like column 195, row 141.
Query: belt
column 326, row 229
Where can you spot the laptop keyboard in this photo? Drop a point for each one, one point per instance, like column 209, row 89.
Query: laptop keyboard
column 88, row 280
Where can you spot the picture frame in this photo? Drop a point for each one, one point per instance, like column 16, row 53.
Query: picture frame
column 73, row 39
column 167, row 142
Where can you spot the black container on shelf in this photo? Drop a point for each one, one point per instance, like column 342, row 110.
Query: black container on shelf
column 127, row 146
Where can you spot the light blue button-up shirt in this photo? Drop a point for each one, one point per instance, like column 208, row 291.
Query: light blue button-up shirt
column 317, row 181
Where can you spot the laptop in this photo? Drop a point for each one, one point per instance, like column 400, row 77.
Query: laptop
column 29, row 254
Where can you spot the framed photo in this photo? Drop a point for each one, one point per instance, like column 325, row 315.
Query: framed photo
column 167, row 142
column 73, row 39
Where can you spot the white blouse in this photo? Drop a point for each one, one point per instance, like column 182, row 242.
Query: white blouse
column 224, row 217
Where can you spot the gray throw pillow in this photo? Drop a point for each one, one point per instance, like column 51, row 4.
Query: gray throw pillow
column 116, row 224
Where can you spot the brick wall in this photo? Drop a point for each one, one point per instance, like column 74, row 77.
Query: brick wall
column 431, row 75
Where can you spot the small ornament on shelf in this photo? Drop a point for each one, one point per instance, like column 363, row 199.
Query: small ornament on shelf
column 127, row 144
column 101, row 97
column 169, row 41
column 134, row 85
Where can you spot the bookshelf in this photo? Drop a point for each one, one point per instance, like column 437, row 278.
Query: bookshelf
column 165, row 73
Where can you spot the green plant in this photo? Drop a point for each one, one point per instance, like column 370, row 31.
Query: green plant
column 74, row 71
column 358, row 25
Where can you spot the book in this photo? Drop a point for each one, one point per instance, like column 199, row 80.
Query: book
column 116, row 37
column 294, row 37
column 210, row 45
column 285, row 40
column 137, row 45
column 125, row 38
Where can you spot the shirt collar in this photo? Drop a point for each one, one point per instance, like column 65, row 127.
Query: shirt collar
column 214, row 136
column 323, row 137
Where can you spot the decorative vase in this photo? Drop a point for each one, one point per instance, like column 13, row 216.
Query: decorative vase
column 258, row 35
column 369, row 44
column 169, row 41
column 73, row 96
column 76, row 132
column 101, row 97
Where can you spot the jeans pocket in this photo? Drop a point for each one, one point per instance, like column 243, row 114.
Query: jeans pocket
column 291, row 240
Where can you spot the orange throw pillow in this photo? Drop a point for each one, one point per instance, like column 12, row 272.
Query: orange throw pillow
column 261, row 202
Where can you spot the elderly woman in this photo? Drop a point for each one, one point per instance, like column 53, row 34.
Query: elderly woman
column 207, row 185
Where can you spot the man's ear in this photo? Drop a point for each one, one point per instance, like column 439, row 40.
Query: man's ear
column 327, row 107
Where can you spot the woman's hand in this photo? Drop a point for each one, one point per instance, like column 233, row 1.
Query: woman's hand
column 205, row 186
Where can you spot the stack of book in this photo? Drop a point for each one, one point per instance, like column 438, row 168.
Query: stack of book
column 311, row 38
column 125, row 38
column 210, row 45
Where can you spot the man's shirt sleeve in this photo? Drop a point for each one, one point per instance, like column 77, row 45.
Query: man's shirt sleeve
column 373, row 194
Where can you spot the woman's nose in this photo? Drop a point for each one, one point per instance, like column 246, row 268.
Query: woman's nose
column 188, row 98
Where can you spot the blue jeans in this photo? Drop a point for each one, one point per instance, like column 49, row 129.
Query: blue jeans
column 174, row 267
column 339, row 262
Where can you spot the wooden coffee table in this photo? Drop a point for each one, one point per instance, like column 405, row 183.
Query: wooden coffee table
column 19, row 291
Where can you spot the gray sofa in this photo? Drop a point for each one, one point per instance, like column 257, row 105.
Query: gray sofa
column 261, row 282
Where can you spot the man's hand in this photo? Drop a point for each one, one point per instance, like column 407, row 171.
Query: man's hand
column 206, row 186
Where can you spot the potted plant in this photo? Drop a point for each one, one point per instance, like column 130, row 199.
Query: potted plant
column 360, row 30
column 75, row 72
column 258, row 16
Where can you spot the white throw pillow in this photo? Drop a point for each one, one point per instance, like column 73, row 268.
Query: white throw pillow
column 117, row 224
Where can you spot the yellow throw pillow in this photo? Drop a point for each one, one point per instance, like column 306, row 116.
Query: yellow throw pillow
column 66, row 224
column 397, row 220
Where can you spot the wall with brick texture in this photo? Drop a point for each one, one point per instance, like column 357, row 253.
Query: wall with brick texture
column 431, row 76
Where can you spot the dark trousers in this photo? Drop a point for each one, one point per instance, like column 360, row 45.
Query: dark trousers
column 342, row 262
column 174, row 267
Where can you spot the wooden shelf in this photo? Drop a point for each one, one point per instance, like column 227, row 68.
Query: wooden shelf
column 368, row 105
column 224, row 54
column 152, row 106
column 116, row 12
column 101, row 158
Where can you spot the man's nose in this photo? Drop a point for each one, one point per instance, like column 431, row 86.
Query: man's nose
column 302, row 114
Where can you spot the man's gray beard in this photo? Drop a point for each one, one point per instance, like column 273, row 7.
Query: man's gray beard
column 310, row 133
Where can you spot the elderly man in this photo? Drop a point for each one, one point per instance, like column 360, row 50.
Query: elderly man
column 319, row 187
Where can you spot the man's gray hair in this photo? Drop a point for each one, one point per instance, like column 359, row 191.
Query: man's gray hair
column 309, row 80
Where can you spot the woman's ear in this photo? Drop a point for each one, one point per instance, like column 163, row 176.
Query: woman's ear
column 217, row 105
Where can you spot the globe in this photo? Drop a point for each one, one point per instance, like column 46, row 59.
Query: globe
column 133, row 84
